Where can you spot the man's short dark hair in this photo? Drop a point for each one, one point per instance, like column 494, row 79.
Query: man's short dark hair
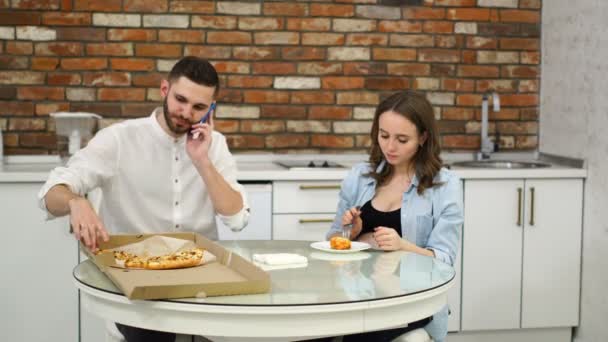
column 198, row 70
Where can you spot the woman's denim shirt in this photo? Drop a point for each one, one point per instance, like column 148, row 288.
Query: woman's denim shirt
column 432, row 220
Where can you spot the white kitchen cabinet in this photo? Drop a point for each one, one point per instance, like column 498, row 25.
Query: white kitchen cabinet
column 307, row 227
column 39, row 300
column 521, row 253
column 259, row 197
column 454, row 292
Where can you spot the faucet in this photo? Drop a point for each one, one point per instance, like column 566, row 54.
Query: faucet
column 486, row 145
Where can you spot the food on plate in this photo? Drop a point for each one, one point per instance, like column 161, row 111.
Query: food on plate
column 182, row 259
column 338, row 242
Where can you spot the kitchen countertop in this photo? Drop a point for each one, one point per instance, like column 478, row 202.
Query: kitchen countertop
column 260, row 167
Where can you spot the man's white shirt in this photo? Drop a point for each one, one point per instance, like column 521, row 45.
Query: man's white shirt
column 148, row 182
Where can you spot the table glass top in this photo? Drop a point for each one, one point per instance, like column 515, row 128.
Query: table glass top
column 327, row 279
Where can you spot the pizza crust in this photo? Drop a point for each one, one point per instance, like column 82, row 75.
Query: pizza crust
column 182, row 259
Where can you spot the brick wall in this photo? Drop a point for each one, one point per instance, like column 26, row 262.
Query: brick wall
column 302, row 75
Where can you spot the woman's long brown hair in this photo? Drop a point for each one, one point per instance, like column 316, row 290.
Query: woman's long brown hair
column 418, row 110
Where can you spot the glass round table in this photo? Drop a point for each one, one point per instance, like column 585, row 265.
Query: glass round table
column 334, row 294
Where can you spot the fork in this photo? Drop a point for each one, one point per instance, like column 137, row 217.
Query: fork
column 346, row 229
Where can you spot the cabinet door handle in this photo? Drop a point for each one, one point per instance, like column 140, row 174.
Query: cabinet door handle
column 316, row 220
column 319, row 187
column 519, row 193
column 532, row 206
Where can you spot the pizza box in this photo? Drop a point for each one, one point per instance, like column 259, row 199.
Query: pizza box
column 230, row 274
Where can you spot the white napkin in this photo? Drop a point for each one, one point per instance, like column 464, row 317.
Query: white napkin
column 280, row 259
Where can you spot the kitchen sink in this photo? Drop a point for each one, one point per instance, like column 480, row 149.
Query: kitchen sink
column 501, row 164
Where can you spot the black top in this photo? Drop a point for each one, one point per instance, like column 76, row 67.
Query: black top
column 373, row 218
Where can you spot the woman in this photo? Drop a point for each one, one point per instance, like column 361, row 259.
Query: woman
column 403, row 199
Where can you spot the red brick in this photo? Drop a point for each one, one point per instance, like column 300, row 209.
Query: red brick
column 455, row 84
column 423, row 13
column 528, row 86
column 319, row 68
column 231, row 67
column 468, row 100
column 103, row 109
column 519, row 43
column 66, row 19
column 332, row 10
column 497, row 85
column 386, row 83
column 283, row 111
column 342, row 82
column 526, row 142
column 195, row 6
column 322, row 39
column 19, row 18
column 63, row 79
column 230, row 96
column 364, row 68
column 394, row 54
column 530, row 113
column 59, row 49
column 249, row 81
column 145, row 6
column 357, row 97
column 274, row 68
column 478, row 71
column 100, row 79
column 520, row 71
column 456, row 3
column 21, row 77
column 228, row 37
column 286, row 140
column 460, row 141
column 457, row 113
column 19, row 48
column 285, row 8
column 38, row 139
column 303, row 53
column 330, row 112
column 519, row 16
column 366, row 39
column 16, row 108
column 214, row 22
column 13, row 63
column 84, row 63
column 277, row 38
column 28, row 124
column 469, row 57
column 439, row 55
column 8, row 93
column 226, row 126
column 81, row 34
column 530, row 4
column 257, row 23
column 308, row 24
column 529, row 57
column 148, row 79
column 255, row 53
column 409, row 69
column 503, row 114
column 443, row 70
column 40, row 93
column 98, row 5
column 10, row 140
column 266, row 96
column 121, row 94
column 332, row 141
column 36, row 4
column 47, row 108
column 401, row 26
column 519, row 100
column 132, row 64
column 110, row 49
column 245, row 141
column 312, row 97
column 66, row 5
column 186, row 36
column 262, row 126
column 494, row 16
column 131, row 34
column 473, row 14
column 476, row 42
column 158, row 50
column 438, row 27
column 208, row 51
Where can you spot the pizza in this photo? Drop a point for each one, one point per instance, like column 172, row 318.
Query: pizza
column 182, row 259
column 337, row 242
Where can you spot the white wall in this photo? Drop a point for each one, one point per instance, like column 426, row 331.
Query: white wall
column 574, row 122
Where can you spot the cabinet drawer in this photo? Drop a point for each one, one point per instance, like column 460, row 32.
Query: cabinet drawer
column 308, row 227
column 305, row 197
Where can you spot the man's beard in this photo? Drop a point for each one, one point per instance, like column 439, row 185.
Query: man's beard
column 169, row 122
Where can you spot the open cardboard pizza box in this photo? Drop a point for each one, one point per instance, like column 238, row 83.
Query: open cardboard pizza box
column 230, row 274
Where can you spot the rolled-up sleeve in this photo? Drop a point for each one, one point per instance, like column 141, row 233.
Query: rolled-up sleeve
column 226, row 165
column 444, row 239
column 86, row 169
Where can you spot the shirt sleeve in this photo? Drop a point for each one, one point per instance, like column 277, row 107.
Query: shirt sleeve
column 346, row 200
column 87, row 169
column 444, row 239
column 226, row 165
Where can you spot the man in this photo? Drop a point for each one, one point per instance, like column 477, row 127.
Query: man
column 165, row 172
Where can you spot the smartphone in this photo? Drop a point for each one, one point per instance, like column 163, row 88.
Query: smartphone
column 206, row 116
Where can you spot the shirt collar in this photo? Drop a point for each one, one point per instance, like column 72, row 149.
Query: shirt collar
column 160, row 132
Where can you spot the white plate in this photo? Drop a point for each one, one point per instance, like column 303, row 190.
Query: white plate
column 355, row 246
column 340, row 257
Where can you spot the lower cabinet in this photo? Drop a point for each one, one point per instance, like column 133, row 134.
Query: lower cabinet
column 39, row 300
column 259, row 197
column 521, row 251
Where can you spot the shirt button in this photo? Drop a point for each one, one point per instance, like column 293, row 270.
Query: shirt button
column 176, row 158
column 176, row 203
column 176, row 181
column 177, row 226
